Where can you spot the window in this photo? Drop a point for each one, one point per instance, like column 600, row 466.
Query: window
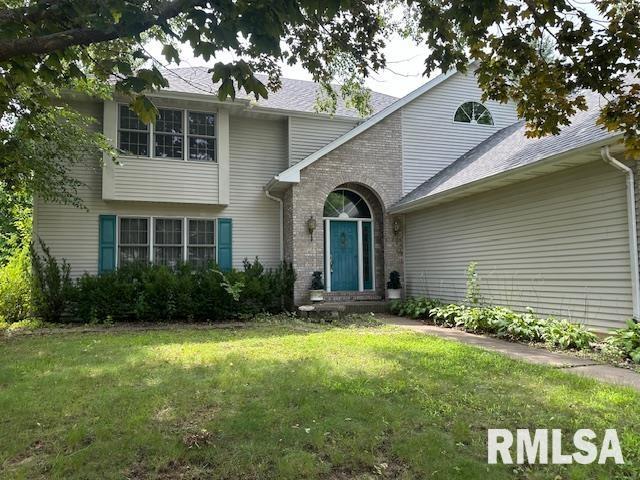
column 133, row 134
column 167, row 241
column 473, row 112
column 202, row 141
column 201, row 248
column 134, row 240
column 168, row 138
column 172, row 138
column 346, row 204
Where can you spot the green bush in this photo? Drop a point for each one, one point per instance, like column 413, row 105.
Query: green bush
column 503, row 322
column 141, row 292
column 627, row 341
column 15, row 287
column 51, row 285
column 566, row 335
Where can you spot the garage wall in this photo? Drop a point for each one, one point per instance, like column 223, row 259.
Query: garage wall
column 557, row 243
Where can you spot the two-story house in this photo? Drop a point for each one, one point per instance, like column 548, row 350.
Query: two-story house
column 427, row 184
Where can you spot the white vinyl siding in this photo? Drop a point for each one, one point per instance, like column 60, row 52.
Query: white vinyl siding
column 307, row 135
column 431, row 140
column 259, row 152
column 165, row 180
column 557, row 243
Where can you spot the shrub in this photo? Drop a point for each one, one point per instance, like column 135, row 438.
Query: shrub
column 566, row 335
column 394, row 281
column 418, row 308
column 627, row 341
column 316, row 281
column 15, row 287
column 504, row 322
column 51, row 285
column 157, row 293
column 447, row 315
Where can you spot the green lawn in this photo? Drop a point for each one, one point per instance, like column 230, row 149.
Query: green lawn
column 285, row 401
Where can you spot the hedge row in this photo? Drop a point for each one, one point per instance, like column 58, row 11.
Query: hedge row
column 142, row 292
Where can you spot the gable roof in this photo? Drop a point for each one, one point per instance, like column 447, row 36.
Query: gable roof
column 295, row 95
column 292, row 174
column 510, row 149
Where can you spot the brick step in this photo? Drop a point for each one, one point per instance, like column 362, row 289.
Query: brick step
column 351, row 297
column 344, row 308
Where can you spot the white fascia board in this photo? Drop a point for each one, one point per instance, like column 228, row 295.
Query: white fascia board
column 292, row 174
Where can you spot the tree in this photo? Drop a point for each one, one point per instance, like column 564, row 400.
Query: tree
column 81, row 44
column 87, row 45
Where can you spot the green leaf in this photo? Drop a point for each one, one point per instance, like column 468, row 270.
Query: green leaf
column 171, row 54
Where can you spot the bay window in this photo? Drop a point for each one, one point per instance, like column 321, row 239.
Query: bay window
column 202, row 133
column 132, row 133
column 177, row 134
column 167, row 135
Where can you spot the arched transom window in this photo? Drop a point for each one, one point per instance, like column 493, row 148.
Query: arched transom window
column 345, row 204
column 473, row 112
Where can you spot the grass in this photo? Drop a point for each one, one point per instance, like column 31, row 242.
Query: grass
column 286, row 401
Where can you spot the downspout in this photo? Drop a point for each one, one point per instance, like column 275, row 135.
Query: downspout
column 281, row 220
column 631, row 220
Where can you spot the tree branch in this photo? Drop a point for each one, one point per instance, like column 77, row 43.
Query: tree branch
column 86, row 36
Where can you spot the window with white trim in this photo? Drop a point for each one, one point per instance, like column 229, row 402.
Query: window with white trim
column 133, row 134
column 133, row 244
column 201, row 244
column 473, row 112
column 202, row 137
column 168, row 241
column 168, row 140
column 177, row 134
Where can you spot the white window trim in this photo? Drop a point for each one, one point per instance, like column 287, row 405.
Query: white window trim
column 215, row 237
column 185, row 136
column 453, row 118
column 151, row 234
column 154, row 245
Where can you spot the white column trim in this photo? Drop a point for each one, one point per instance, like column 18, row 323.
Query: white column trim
column 327, row 254
column 222, row 142
column 360, row 258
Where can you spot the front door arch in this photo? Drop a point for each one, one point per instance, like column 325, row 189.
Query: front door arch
column 349, row 258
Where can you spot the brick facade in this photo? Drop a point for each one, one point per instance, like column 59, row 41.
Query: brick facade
column 371, row 165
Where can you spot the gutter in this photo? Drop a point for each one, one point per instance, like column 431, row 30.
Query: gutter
column 631, row 221
column 281, row 221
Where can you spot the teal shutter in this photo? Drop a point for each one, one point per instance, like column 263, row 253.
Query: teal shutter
column 107, row 247
column 224, row 243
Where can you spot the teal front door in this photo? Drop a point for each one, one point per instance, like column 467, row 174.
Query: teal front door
column 344, row 255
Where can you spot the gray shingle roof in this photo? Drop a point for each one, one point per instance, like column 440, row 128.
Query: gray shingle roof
column 509, row 149
column 295, row 95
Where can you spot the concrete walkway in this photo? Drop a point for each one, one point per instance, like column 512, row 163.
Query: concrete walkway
column 519, row 351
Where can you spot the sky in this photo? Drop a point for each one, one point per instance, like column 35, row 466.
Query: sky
column 405, row 64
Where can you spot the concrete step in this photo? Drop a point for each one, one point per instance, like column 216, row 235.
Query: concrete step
column 323, row 309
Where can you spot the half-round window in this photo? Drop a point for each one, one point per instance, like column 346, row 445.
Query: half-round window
column 346, row 204
column 473, row 112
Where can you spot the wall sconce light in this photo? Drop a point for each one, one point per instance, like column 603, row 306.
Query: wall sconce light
column 311, row 226
column 397, row 226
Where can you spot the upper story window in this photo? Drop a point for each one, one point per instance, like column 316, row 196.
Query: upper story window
column 177, row 134
column 473, row 112
column 168, row 138
column 133, row 134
